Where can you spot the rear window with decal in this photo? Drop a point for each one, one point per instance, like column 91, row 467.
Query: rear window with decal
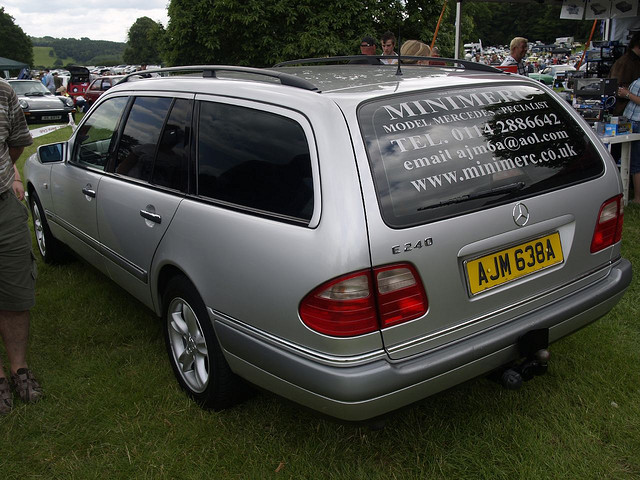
column 439, row 153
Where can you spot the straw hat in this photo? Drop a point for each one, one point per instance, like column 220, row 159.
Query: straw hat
column 415, row 48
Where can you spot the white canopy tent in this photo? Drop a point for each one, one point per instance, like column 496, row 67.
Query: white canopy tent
column 620, row 28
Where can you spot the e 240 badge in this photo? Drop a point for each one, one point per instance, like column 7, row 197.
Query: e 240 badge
column 408, row 247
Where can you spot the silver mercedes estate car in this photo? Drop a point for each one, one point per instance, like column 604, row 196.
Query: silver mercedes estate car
column 354, row 238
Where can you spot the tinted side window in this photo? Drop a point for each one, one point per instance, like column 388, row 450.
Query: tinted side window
column 96, row 135
column 137, row 147
column 170, row 168
column 255, row 159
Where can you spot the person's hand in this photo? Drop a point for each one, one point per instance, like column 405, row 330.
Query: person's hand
column 623, row 92
column 18, row 189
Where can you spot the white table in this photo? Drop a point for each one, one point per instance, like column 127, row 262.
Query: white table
column 625, row 157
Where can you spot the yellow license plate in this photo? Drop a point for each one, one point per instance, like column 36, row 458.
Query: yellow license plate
column 513, row 263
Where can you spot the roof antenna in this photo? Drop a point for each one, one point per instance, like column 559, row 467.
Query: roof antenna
column 399, row 70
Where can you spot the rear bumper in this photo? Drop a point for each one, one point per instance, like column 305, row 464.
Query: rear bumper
column 359, row 392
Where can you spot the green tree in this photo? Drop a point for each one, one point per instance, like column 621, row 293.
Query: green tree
column 263, row 32
column 15, row 44
column 422, row 20
column 145, row 42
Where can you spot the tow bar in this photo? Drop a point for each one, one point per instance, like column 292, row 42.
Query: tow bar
column 533, row 347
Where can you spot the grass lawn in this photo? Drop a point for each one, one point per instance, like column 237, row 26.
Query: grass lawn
column 113, row 410
column 42, row 57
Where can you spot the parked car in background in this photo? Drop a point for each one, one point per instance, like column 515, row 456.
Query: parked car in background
column 554, row 70
column 99, row 71
column 542, row 77
column 99, row 86
column 39, row 104
column 553, row 74
column 78, row 81
column 349, row 238
column 119, row 69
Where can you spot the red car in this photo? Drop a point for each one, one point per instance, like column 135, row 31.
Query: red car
column 78, row 82
column 99, row 86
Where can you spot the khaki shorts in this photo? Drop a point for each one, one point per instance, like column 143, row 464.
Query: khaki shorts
column 17, row 263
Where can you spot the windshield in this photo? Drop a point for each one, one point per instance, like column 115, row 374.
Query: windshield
column 77, row 77
column 30, row 88
column 445, row 152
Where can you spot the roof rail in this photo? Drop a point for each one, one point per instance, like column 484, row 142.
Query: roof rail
column 405, row 60
column 211, row 70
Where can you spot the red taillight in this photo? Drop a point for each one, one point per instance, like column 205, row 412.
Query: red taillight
column 608, row 225
column 342, row 307
column 349, row 305
column 400, row 294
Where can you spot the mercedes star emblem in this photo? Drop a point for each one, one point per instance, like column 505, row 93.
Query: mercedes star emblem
column 521, row 214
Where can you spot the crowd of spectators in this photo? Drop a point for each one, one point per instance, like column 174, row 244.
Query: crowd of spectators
column 534, row 63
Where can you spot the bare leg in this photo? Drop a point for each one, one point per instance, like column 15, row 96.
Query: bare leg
column 14, row 329
column 636, row 188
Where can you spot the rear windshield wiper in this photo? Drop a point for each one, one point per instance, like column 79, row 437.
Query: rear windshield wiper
column 34, row 94
column 511, row 187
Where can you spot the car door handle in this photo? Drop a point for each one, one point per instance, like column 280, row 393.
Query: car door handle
column 89, row 192
column 154, row 217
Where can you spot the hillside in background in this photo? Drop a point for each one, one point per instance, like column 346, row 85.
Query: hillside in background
column 58, row 52
column 44, row 57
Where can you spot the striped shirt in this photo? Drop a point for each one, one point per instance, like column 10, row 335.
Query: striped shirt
column 13, row 132
column 509, row 60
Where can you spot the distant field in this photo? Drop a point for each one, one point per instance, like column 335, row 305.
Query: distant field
column 41, row 58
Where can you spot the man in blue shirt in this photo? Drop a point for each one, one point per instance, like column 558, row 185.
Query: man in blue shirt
column 47, row 81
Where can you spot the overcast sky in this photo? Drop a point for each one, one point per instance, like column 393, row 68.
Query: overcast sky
column 94, row 19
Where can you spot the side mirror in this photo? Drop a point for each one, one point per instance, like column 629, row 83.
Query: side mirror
column 51, row 153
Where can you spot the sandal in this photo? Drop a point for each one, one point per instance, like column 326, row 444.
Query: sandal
column 26, row 385
column 6, row 398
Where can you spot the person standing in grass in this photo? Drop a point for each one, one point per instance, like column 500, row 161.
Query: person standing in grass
column 17, row 264
column 57, row 82
column 632, row 112
column 626, row 70
column 48, row 81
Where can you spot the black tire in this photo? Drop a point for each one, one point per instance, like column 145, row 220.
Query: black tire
column 51, row 250
column 193, row 349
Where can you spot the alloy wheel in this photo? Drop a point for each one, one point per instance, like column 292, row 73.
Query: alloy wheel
column 188, row 345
